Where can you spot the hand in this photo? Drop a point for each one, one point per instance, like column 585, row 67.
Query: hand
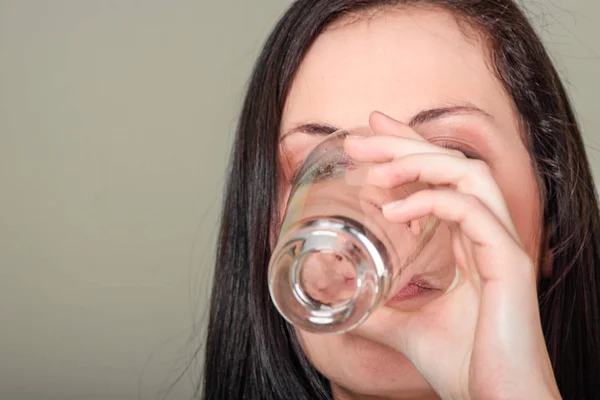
column 483, row 339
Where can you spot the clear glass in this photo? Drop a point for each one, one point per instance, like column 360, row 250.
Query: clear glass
column 337, row 257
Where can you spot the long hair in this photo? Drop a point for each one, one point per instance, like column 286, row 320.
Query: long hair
column 252, row 353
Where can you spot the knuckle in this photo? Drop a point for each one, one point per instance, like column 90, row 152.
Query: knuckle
column 405, row 167
column 472, row 202
column 395, row 175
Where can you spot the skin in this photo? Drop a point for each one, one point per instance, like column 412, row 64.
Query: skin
column 403, row 62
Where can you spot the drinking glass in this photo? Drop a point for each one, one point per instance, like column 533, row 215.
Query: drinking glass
column 337, row 257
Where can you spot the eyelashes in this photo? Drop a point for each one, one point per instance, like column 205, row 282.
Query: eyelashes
column 326, row 168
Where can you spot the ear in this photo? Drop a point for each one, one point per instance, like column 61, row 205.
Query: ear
column 547, row 253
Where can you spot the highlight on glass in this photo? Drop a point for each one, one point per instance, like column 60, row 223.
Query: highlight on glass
column 337, row 258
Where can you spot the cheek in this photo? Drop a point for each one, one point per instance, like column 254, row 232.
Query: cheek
column 521, row 192
column 285, row 187
column 284, row 196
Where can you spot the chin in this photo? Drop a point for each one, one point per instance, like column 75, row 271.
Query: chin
column 358, row 368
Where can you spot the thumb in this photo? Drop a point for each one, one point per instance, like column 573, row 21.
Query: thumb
column 388, row 327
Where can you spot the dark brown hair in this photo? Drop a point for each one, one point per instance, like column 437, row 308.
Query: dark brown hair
column 252, row 353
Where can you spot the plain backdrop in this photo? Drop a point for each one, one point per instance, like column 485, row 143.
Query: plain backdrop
column 116, row 118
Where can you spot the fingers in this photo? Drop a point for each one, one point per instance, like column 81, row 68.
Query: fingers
column 434, row 168
column 380, row 149
column 401, row 156
column 388, row 327
column 471, row 177
column 475, row 220
column 405, row 157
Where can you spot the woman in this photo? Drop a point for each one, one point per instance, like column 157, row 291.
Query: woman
column 466, row 98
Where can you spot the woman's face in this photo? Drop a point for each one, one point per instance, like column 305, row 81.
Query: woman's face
column 418, row 67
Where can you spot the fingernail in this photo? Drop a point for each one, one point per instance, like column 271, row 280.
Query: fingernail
column 356, row 137
column 392, row 206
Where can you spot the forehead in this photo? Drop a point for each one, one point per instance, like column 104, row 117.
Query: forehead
column 397, row 61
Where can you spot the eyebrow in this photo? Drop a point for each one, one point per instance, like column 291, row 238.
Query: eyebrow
column 421, row 118
column 433, row 114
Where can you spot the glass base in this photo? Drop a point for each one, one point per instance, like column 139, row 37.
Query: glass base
column 328, row 274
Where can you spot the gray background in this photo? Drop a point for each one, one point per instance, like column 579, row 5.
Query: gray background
column 115, row 124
